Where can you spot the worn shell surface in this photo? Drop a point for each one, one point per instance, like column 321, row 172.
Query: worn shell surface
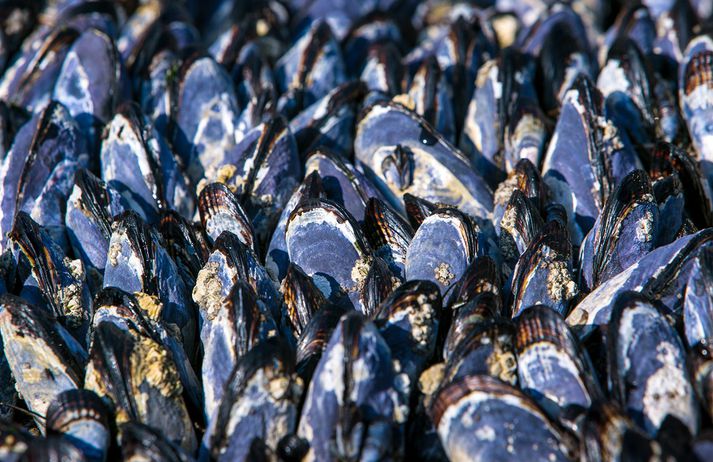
column 355, row 375
column 317, row 230
column 442, row 248
column 31, row 336
column 647, row 366
column 402, row 154
column 478, row 418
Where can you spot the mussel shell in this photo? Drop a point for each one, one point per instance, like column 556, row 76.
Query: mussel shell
column 696, row 100
column 220, row 211
column 341, row 182
column 137, row 376
column 480, row 418
column 302, row 297
column 52, row 448
column 205, row 111
column 658, row 273
column 260, row 401
column 91, row 82
column 487, row 348
column 552, row 367
column 62, row 282
column 609, row 435
column 90, row 211
column 310, row 69
column 543, row 273
column 440, row 173
column 698, row 300
column 442, row 248
column 227, row 336
column 647, row 366
column 431, row 95
column 585, row 158
column 263, row 170
column 388, row 233
column 408, row 320
column 317, row 230
column 277, row 259
column 355, row 372
column 38, row 171
column 32, row 336
column 82, row 419
column 668, row 159
column 15, row 441
column 626, row 230
column 314, row 338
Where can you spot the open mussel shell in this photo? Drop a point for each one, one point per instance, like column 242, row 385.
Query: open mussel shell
column 260, row 402
column 81, row 418
column 138, row 378
column 662, row 273
column 552, row 368
column 389, row 235
column 609, row 435
column 318, row 230
column 353, row 401
column 543, row 273
column 647, row 367
column 228, row 334
column 221, row 211
column 402, row 154
column 478, row 417
column 32, row 336
column 626, row 230
column 442, row 248
column 277, row 259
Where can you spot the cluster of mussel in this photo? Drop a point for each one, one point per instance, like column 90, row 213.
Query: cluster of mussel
column 356, row 230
